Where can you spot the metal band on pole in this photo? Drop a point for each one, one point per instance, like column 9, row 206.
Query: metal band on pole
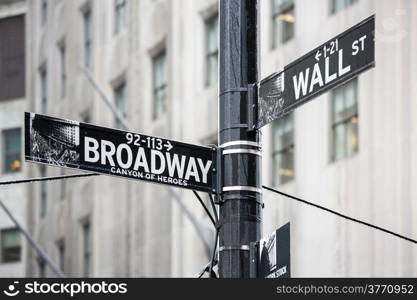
column 240, row 143
column 242, row 188
column 240, row 166
column 241, row 247
column 240, row 151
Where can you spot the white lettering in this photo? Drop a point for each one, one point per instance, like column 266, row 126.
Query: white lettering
column 355, row 47
column 192, row 170
column 141, row 160
column 204, row 168
column 342, row 70
column 175, row 164
column 362, row 40
column 119, row 157
column 301, row 84
column 91, row 146
column 328, row 78
column 316, row 77
column 107, row 151
column 161, row 169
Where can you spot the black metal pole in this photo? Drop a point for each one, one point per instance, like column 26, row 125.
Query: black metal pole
column 241, row 202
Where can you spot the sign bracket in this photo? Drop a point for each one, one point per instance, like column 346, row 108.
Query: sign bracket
column 253, row 257
column 235, row 90
column 217, row 173
column 252, row 109
column 252, row 104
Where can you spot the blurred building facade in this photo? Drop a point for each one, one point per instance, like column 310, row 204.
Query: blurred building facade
column 12, row 104
column 108, row 226
column 352, row 149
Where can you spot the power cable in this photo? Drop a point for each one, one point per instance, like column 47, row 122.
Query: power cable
column 341, row 215
column 213, row 257
column 209, row 267
column 28, row 180
column 213, row 206
column 205, row 208
column 206, row 269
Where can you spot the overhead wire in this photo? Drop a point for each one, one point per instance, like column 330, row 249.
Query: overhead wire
column 49, row 178
column 214, row 219
column 340, row 214
column 209, row 268
column 213, row 257
column 205, row 208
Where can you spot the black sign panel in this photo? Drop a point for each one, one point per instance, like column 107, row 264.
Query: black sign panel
column 271, row 255
column 114, row 152
column 335, row 62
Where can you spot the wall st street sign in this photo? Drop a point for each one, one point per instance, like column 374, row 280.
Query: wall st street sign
column 336, row 61
column 109, row 151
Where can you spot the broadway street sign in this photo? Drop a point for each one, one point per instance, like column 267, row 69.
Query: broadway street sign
column 270, row 257
column 338, row 60
column 109, row 151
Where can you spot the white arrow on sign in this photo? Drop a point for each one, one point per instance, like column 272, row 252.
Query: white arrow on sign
column 168, row 146
column 318, row 54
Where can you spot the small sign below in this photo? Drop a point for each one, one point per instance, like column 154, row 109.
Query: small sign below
column 270, row 257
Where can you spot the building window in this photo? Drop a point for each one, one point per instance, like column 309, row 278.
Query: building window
column 12, row 57
column 42, row 268
column 283, row 150
column 44, row 89
column 283, row 19
column 120, row 15
column 159, row 85
column 88, row 38
column 10, row 245
column 345, row 121
column 86, row 228
column 12, row 150
column 44, row 195
column 212, row 45
column 62, row 57
column 61, row 255
column 338, row 5
column 44, row 12
column 120, row 101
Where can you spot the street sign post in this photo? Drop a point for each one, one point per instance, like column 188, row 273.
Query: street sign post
column 237, row 181
column 336, row 61
column 271, row 257
column 240, row 216
column 109, row 151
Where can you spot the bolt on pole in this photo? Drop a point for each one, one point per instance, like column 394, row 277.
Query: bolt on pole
column 241, row 198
